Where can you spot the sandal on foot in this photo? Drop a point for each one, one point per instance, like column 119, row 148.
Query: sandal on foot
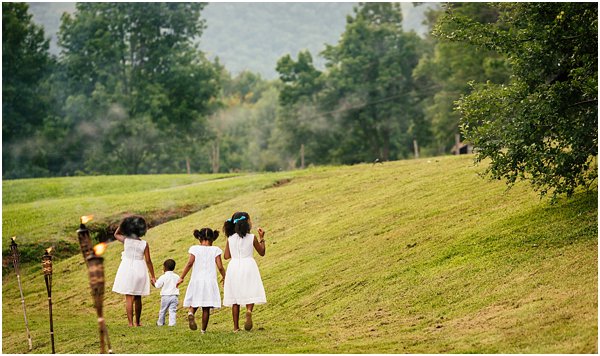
column 192, row 322
column 248, row 324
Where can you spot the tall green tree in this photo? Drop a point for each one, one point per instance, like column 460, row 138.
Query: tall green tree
column 449, row 68
column 26, row 63
column 300, row 129
column 370, row 80
column 543, row 125
column 140, row 57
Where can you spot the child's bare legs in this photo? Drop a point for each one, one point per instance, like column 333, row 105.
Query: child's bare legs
column 235, row 311
column 137, row 301
column 205, row 316
column 129, row 308
column 248, row 323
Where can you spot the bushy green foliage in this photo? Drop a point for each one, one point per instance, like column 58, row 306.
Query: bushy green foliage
column 542, row 126
column 363, row 106
column 148, row 88
column 25, row 65
column 447, row 70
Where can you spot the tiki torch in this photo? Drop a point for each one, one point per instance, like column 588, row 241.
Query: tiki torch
column 14, row 249
column 83, row 234
column 47, row 268
column 96, row 272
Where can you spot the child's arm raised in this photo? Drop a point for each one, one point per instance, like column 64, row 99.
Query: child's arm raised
column 187, row 267
column 220, row 267
column 118, row 235
column 260, row 245
column 149, row 263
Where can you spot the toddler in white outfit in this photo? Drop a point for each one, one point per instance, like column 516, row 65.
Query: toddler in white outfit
column 169, row 294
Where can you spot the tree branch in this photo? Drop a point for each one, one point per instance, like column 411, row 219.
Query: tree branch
column 583, row 102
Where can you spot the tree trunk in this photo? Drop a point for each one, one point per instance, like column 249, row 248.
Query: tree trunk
column 215, row 157
column 386, row 146
column 416, row 148
column 457, row 140
column 302, row 156
column 187, row 165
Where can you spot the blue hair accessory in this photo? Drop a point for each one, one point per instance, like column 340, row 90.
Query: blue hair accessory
column 228, row 220
column 239, row 219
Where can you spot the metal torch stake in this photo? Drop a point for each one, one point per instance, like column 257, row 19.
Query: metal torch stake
column 47, row 268
column 96, row 273
column 15, row 255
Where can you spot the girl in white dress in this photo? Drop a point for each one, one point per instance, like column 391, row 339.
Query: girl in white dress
column 132, row 275
column 243, row 284
column 203, row 289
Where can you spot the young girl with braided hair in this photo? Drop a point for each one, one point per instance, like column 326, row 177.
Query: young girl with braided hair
column 203, row 289
column 132, row 277
column 243, row 285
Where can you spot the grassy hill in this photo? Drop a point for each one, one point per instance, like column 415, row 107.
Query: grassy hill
column 418, row 256
column 41, row 212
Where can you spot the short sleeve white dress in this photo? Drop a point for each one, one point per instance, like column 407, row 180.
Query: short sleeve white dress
column 132, row 276
column 243, row 284
column 203, row 289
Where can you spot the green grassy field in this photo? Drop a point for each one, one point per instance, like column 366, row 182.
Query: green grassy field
column 46, row 211
column 419, row 256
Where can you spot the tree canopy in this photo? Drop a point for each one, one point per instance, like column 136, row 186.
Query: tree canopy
column 25, row 65
column 139, row 62
column 366, row 94
column 542, row 125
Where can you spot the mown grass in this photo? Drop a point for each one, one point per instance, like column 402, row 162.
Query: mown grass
column 28, row 190
column 50, row 214
column 415, row 256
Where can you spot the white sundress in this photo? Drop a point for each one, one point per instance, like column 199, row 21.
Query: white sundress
column 203, row 289
column 243, row 284
column 132, row 276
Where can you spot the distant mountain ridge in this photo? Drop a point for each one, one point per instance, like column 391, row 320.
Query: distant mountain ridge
column 253, row 36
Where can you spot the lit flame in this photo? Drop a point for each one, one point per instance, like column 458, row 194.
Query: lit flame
column 13, row 238
column 49, row 249
column 100, row 248
column 86, row 219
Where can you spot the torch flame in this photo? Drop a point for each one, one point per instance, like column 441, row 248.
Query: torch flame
column 13, row 238
column 49, row 249
column 100, row 248
column 86, row 219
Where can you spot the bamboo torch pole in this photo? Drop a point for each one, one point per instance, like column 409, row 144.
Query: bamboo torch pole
column 15, row 257
column 47, row 268
column 96, row 273
column 95, row 265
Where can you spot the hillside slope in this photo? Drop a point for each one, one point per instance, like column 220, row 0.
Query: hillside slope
column 45, row 211
column 418, row 256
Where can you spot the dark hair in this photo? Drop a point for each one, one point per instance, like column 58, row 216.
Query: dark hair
column 206, row 234
column 169, row 265
column 239, row 223
column 133, row 226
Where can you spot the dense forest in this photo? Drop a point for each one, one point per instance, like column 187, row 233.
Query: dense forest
column 131, row 91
